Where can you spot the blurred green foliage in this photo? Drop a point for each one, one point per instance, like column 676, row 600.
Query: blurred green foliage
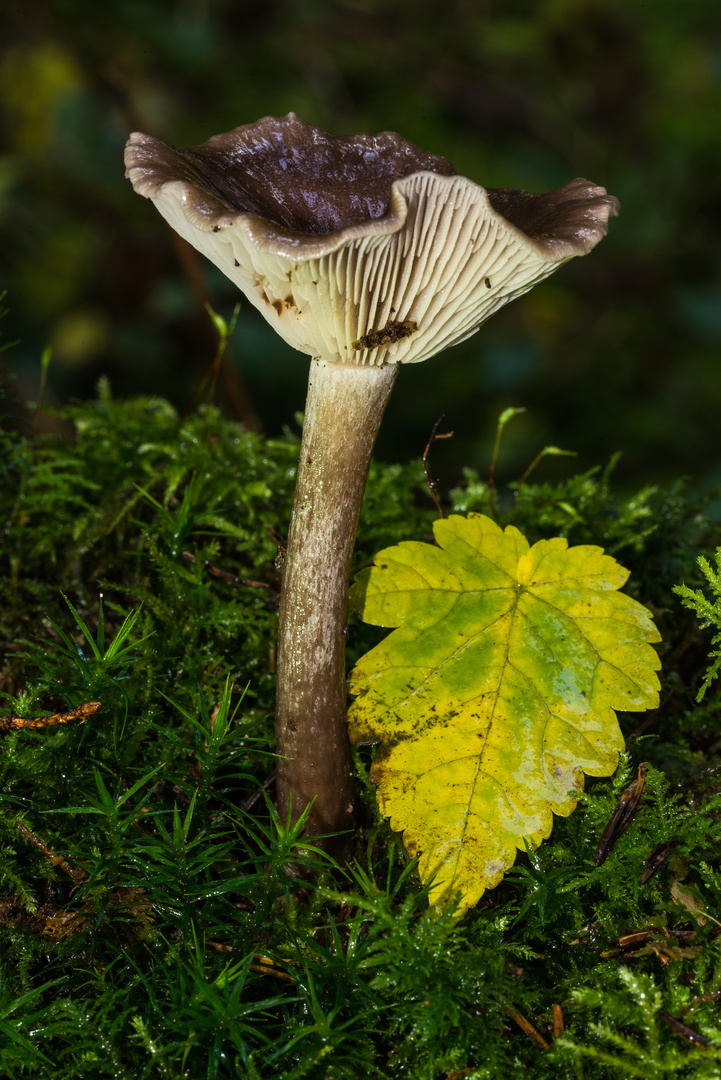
column 618, row 351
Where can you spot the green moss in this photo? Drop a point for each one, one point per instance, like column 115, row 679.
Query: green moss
column 148, row 927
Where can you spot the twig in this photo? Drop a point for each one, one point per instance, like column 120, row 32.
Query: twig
column 686, row 1033
column 434, row 438
column 249, row 803
column 527, row 1027
column 17, row 723
column 73, row 872
column 215, row 571
column 703, row 999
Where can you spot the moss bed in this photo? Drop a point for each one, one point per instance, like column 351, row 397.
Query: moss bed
column 147, row 927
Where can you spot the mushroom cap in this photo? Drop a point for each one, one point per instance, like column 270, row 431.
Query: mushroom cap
column 362, row 249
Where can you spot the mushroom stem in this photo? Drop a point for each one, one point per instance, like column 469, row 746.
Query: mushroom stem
column 344, row 409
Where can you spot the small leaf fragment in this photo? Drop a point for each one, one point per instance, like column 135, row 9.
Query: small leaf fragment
column 495, row 693
column 621, row 817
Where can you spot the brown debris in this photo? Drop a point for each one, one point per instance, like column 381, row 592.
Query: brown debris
column 17, row 723
column 655, row 859
column 56, row 925
column 527, row 1027
column 685, row 1032
column 621, row 817
column 74, row 873
column 391, row 332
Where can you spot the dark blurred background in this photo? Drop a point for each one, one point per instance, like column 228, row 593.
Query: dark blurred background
column 617, row 351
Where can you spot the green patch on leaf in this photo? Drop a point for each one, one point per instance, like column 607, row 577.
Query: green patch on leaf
column 495, row 693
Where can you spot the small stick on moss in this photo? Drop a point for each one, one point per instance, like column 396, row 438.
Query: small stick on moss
column 265, row 966
column 73, row 872
column 527, row 1027
column 686, row 1033
column 225, row 575
column 17, row 723
column 249, row 803
column 702, row 1000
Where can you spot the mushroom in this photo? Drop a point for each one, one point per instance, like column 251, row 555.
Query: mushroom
column 365, row 252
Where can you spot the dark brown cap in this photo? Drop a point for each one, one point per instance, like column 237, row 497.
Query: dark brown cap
column 362, row 248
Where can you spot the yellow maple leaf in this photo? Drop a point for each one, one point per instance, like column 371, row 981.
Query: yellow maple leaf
column 496, row 692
